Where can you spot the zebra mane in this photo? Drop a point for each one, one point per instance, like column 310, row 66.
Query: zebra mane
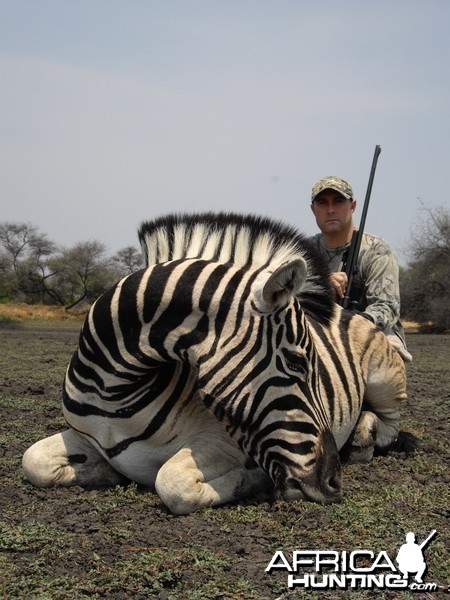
column 244, row 240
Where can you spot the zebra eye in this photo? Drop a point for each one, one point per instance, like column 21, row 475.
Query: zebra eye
column 295, row 362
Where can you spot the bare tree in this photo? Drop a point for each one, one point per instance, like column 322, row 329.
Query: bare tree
column 15, row 239
column 425, row 287
column 128, row 259
column 23, row 261
column 431, row 234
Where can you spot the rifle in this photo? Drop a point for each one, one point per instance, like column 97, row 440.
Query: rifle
column 351, row 260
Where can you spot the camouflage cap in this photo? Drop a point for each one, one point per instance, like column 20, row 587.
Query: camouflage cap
column 332, row 183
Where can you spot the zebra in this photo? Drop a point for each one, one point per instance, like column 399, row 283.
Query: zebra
column 221, row 370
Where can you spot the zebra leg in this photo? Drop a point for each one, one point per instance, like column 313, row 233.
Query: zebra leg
column 361, row 444
column 66, row 459
column 204, row 474
column 386, row 390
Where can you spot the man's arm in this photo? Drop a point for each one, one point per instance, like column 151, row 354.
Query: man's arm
column 379, row 268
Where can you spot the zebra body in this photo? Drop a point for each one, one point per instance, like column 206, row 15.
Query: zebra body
column 226, row 347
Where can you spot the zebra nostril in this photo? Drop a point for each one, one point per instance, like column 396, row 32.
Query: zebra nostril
column 334, row 483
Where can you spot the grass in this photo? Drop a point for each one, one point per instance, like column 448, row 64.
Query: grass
column 19, row 312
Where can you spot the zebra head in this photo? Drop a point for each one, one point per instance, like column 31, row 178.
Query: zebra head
column 263, row 383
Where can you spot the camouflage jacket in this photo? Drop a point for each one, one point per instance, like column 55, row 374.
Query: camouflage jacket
column 378, row 268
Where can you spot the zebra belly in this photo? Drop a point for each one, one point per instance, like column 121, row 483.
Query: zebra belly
column 137, row 448
column 142, row 461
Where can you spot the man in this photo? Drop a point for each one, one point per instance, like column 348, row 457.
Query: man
column 333, row 206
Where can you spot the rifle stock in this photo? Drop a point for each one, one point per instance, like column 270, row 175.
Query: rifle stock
column 351, row 263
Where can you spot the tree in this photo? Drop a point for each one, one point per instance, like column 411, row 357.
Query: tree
column 15, row 237
column 23, row 261
column 128, row 259
column 424, row 283
column 81, row 273
column 34, row 269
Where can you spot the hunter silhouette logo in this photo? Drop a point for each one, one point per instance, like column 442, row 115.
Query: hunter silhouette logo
column 363, row 568
column 410, row 557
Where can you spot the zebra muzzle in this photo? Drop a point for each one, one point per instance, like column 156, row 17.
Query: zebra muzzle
column 322, row 482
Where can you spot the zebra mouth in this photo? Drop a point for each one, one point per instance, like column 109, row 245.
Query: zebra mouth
column 321, row 483
column 325, row 492
column 309, row 489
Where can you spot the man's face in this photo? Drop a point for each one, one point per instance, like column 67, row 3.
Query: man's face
column 333, row 212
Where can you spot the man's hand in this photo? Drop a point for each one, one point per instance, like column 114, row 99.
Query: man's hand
column 339, row 282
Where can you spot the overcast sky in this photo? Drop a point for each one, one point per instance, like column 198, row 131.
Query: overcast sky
column 117, row 111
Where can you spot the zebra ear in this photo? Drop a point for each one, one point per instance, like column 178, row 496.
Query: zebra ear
column 285, row 282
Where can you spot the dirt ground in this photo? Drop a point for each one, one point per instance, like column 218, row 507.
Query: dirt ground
column 123, row 543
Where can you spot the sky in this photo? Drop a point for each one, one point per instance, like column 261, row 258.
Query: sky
column 113, row 112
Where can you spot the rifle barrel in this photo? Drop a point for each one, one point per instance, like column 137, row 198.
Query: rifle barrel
column 353, row 252
column 362, row 223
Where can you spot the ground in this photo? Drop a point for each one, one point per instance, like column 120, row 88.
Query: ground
column 123, row 543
